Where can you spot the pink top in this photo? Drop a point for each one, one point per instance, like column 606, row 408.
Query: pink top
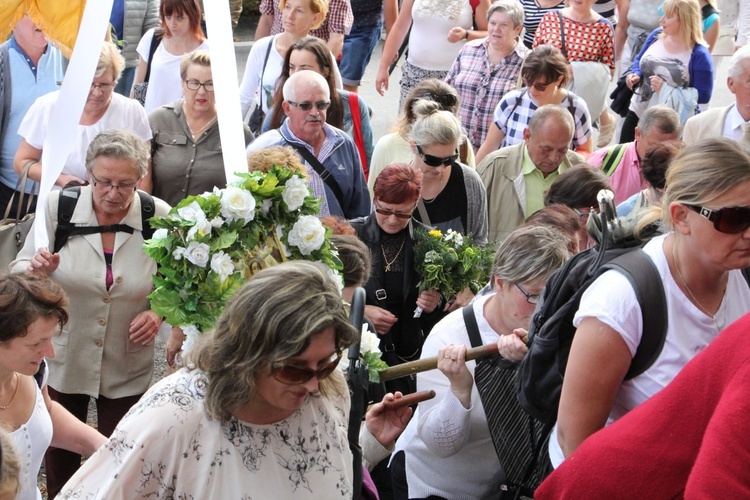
column 626, row 179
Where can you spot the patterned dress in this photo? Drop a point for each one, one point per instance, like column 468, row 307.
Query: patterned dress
column 583, row 41
column 168, row 447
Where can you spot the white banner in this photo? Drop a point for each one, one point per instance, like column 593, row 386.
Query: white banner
column 63, row 124
column 226, row 89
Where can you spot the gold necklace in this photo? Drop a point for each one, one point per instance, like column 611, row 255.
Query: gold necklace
column 204, row 127
column 385, row 259
column 14, row 394
column 690, row 292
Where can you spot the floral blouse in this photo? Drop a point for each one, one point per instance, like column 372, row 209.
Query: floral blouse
column 168, row 447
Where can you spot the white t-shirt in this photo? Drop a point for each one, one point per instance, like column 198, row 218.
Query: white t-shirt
column 611, row 299
column 122, row 113
column 429, row 47
column 164, row 83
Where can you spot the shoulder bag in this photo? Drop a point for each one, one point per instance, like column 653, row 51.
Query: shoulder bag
column 140, row 89
column 13, row 231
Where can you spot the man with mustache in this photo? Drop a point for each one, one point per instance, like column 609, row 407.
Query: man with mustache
column 334, row 170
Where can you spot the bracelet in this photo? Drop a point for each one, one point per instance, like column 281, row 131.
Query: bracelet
column 466, row 34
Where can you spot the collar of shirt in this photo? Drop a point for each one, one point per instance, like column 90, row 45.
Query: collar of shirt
column 325, row 149
column 14, row 45
column 733, row 123
column 528, row 166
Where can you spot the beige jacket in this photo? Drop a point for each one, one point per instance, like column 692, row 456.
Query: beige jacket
column 708, row 124
column 500, row 172
column 93, row 354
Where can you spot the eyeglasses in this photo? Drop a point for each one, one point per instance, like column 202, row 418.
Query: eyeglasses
column 445, row 100
column 400, row 215
column 107, row 185
column 531, row 298
column 195, row 85
column 728, row 220
column 103, row 87
column 307, row 106
column 582, row 214
column 293, row 375
column 436, row 161
column 538, row 86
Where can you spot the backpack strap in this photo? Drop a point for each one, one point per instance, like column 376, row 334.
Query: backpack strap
column 612, row 159
column 155, row 41
column 359, row 141
column 472, row 327
column 518, row 102
column 643, row 276
column 148, row 210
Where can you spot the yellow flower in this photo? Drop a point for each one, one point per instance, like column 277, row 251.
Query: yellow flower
column 436, row 233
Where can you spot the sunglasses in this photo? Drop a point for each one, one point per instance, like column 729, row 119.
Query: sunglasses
column 307, row 106
column 445, row 100
column 388, row 213
column 435, row 161
column 294, row 375
column 538, row 86
column 729, row 220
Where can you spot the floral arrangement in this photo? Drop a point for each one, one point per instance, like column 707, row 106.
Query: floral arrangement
column 210, row 244
column 369, row 355
column 450, row 263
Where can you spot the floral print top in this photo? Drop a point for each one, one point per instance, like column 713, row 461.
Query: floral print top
column 168, row 447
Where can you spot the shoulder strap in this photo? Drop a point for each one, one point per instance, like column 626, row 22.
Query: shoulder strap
column 423, row 212
column 612, row 159
column 472, row 328
column 562, row 35
column 518, row 102
column 5, row 89
column 642, row 274
column 155, row 41
column 321, row 170
column 263, row 72
column 147, row 211
column 357, row 126
column 66, row 205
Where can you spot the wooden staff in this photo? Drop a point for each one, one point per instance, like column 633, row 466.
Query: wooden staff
column 422, row 365
column 409, row 399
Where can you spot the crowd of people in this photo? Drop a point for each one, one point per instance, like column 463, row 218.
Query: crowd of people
column 503, row 135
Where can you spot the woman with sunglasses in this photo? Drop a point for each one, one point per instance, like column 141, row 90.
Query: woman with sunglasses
column 392, row 293
column 446, row 450
column 261, row 406
column 395, row 148
column 706, row 210
column 453, row 196
column 545, row 74
column 186, row 147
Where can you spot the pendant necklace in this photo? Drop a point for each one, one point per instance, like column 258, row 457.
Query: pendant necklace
column 695, row 299
column 385, row 258
column 13, row 396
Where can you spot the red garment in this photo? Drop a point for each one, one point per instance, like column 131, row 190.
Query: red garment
column 583, row 41
column 691, row 440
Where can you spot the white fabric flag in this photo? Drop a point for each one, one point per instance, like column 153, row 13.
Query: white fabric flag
column 226, row 89
column 64, row 119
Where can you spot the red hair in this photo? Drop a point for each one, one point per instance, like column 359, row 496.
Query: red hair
column 182, row 8
column 398, row 183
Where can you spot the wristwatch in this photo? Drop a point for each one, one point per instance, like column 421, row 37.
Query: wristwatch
column 466, row 34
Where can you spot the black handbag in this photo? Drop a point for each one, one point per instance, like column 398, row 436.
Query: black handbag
column 621, row 96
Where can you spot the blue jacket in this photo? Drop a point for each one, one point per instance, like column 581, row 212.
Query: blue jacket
column 343, row 163
column 700, row 67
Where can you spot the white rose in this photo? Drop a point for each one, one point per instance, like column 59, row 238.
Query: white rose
column 201, row 228
column 160, row 234
column 266, row 206
column 192, row 212
column 307, row 234
column 369, row 342
column 178, row 253
column 222, row 265
column 197, row 253
column 336, row 277
column 192, row 334
column 217, row 222
column 294, row 193
column 236, row 203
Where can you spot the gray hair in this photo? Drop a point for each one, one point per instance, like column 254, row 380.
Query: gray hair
column 512, row 8
column 307, row 76
column 735, row 63
column 269, row 320
column 434, row 126
column 552, row 112
column 119, row 143
column 530, row 254
column 663, row 118
column 110, row 58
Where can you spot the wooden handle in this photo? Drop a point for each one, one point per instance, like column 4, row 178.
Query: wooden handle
column 408, row 400
column 422, row 365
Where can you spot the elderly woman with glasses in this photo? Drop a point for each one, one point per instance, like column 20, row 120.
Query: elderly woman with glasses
column 446, row 450
column 706, row 211
column 104, row 110
column 392, row 293
column 105, row 351
column 261, row 406
column 186, row 148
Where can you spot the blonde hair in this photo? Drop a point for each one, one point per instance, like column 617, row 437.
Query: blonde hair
column 698, row 175
column 435, row 126
column 199, row 57
column 110, row 57
column 317, row 7
column 688, row 14
column 283, row 156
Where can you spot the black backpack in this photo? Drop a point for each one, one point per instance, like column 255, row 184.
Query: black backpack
column 66, row 205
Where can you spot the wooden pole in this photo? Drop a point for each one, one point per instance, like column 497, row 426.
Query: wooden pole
column 423, row 365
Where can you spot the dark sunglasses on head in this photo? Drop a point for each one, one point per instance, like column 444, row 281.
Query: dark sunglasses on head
column 388, row 213
column 729, row 220
column 445, row 100
column 435, row 161
column 307, row 106
column 293, row 375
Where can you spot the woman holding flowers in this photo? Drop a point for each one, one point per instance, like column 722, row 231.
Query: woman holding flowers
column 105, row 351
column 392, row 293
column 462, row 463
